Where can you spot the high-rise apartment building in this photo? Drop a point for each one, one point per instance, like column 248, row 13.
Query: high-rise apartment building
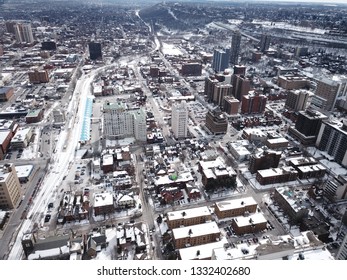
column 120, row 121
column 241, row 86
column 10, row 189
column 140, row 125
column 24, row 33
column 264, row 42
column 328, row 91
column 231, row 105
column 332, row 139
column 336, row 189
column 253, row 104
column 297, row 100
column 216, row 87
column 179, row 120
column 235, row 48
column 220, row 59
column 95, row 51
column 10, row 27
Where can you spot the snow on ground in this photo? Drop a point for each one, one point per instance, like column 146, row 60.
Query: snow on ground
column 287, row 26
column 170, row 49
column 108, row 252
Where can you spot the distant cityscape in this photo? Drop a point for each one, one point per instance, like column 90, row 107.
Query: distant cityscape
column 173, row 130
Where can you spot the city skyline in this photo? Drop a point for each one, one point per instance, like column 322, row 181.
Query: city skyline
column 173, row 131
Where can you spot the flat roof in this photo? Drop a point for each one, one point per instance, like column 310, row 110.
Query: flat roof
column 235, row 203
column 204, row 251
column 276, row 171
column 107, row 159
column 4, row 90
column 257, row 218
column 189, row 213
column 24, row 171
column 196, row 230
column 4, row 135
column 103, row 199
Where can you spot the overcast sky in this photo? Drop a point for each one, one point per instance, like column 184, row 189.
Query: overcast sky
column 300, row 1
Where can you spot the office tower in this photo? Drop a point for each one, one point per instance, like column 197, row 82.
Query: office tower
column 235, row 47
column 264, row 42
column 253, row 104
column 332, row 139
column 24, row 33
column 220, row 59
column 241, row 86
column 95, row 51
column 297, row 100
column 10, row 189
column 120, row 121
column 307, row 126
column 179, row 120
column 216, row 122
column 231, row 105
column 328, row 91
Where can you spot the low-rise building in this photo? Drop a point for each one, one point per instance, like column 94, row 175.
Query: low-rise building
column 6, row 93
column 103, row 203
column 276, row 175
column 196, row 235
column 188, row 217
column 5, row 140
column 24, row 172
column 22, row 138
column 239, row 150
column 38, row 76
column 277, row 143
column 264, row 159
column 293, row 201
column 235, row 207
column 34, row 116
column 215, row 173
column 249, row 224
column 254, row 135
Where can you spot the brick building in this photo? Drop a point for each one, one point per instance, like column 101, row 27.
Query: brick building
column 188, row 217
column 196, row 235
column 235, row 207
